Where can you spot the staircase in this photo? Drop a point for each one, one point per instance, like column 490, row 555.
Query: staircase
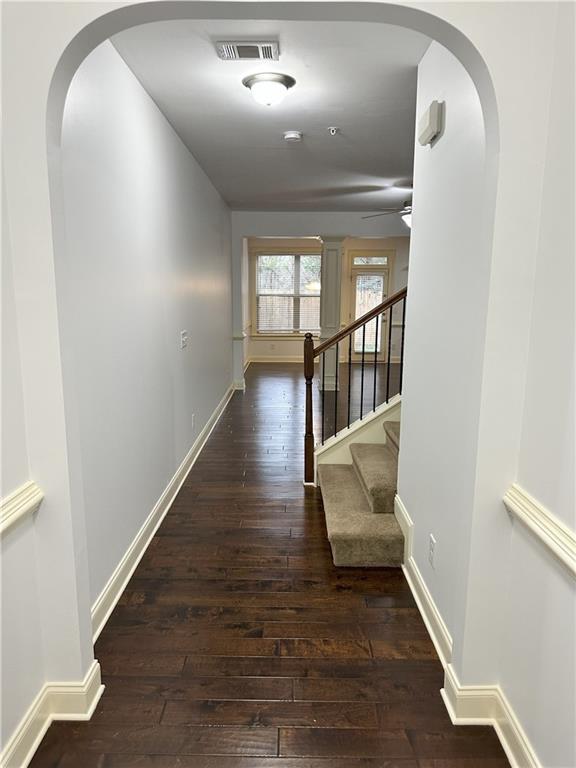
column 359, row 496
column 359, row 504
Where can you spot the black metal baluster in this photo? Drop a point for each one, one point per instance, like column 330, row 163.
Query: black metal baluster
column 323, row 391
column 337, row 363
column 402, row 344
column 349, row 374
column 389, row 353
column 377, row 321
column 362, row 371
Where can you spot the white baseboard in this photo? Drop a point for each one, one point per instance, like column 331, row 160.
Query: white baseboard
column 239, row 384
column 426, row 605
column 110, row 595
column 466, row 705
column 278, row 359
column 487, row 705
column 56, row 701
column 336, row 449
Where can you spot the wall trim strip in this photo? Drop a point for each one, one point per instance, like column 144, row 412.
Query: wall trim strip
column 106, row 601
column 55, row 701
column 549, row 529
column 432, row 617
column 278, row 359
column 466, row 704
column 487, row 705
column 25, row 500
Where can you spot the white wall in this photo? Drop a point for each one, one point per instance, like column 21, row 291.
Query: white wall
column 22, row 651
column 538, row 658
column 445, row 320
column 508, row 48
column 508, row 603
column 148, row 254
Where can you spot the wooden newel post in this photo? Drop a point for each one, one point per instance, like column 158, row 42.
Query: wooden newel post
column 309, row 434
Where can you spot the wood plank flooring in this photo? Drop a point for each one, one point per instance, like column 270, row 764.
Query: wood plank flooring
column 237, row 643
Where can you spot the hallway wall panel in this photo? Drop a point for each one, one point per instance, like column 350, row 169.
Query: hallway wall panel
column 148, row 256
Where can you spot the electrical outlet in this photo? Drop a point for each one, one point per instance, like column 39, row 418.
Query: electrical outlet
column 192, row 421
column 183, row 339
column 431, row 550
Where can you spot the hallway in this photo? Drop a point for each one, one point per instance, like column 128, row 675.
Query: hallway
column 237, row 643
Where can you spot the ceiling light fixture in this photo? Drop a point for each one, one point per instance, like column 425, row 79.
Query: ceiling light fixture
column 293, row 137
column 268, row 88
column 407, row 219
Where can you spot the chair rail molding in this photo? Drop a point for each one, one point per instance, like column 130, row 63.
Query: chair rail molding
column 25, row 500
column 551, row 531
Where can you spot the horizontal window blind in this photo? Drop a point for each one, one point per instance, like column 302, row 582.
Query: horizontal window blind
column 288, row 293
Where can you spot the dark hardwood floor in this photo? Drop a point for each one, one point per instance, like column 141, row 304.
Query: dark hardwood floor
column 238, row 644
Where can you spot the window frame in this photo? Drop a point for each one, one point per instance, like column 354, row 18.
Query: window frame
column 254, row 253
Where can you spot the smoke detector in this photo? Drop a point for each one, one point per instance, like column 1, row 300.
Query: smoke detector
column 292, row 137
column 245, row 50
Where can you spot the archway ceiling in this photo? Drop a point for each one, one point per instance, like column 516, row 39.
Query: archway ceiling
column 360, row 77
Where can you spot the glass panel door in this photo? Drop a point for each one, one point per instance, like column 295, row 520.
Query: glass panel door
column 369, row 291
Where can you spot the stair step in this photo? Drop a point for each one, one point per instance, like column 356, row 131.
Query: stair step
column 392, row 429
column 377, row 470
column 357, row 537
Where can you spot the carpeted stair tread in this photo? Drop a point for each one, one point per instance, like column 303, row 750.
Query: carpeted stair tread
column 392, row 429
column 377, row 470
column 357, row 536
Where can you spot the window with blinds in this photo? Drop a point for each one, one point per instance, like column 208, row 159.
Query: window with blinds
column 288, row 293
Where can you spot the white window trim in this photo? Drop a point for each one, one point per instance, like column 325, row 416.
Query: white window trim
column 254, row 252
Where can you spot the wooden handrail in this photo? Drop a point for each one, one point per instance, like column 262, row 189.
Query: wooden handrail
column 386, row 304
column 310, row 354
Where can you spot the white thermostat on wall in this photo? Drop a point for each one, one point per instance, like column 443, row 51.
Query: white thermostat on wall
column 430, row 124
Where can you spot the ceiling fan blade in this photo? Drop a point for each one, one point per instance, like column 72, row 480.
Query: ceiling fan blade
column 383, row 213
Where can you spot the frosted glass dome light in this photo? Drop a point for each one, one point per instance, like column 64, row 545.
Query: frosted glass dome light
column 268, row 88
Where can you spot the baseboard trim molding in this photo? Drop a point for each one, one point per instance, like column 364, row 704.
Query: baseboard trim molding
column 432, row 617
column 55, row 701
column 336, row 449
column 552, row 532
column 25, row 500
column 278, row 359
column 466, row 704
column 406, row 524
column 487, row 705
column 106, row 601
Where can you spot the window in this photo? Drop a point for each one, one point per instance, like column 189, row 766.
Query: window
column 370, row 260
column 287, row 293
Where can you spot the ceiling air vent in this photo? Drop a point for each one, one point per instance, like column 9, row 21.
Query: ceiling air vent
column 231, row 50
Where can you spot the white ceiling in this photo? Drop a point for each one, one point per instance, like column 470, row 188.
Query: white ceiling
column 360, row 77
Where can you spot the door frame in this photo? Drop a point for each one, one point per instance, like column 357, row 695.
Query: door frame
column 357, row 269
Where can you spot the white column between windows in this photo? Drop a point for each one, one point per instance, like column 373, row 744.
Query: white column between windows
column 330, row 304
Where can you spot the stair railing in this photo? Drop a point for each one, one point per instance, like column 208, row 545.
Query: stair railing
column 367, row 338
